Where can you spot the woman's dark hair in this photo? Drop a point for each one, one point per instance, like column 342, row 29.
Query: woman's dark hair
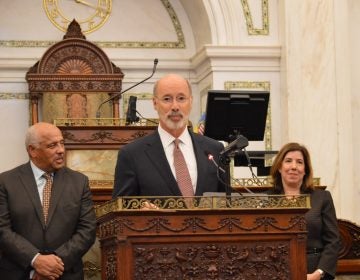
column 307, row 184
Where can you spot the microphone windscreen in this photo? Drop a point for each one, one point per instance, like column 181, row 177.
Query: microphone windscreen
column 209, row 155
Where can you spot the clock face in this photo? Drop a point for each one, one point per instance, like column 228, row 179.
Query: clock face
column 90, row 14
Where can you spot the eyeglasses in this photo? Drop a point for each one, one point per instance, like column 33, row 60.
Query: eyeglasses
column 170, row 99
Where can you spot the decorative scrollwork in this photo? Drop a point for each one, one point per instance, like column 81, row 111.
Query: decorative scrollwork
column 213, row 261
column 196, row 224
column 101, row 136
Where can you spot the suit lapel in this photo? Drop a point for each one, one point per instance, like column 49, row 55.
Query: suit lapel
column 29, row 183
column 201, row 162
column 155, row 153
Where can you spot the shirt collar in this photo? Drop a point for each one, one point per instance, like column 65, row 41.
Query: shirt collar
column 38, row 173
column 167, row 139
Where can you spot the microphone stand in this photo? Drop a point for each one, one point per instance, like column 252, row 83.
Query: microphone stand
column 120, row 93
column 238, row 144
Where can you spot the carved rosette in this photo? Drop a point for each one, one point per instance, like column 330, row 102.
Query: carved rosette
column 74, row 65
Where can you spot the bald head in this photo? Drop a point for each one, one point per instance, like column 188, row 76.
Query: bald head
column 45, row 145
column 171, row 79
column 36, row 132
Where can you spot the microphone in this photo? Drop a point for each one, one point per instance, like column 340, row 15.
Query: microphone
column 228, row 186
column 120, row 93
column 211, row 158
column 218, row 168
column 238, row 144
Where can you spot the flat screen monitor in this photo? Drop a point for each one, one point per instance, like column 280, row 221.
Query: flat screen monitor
column 233, row 113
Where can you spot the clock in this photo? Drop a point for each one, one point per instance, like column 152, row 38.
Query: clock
column 90, row 14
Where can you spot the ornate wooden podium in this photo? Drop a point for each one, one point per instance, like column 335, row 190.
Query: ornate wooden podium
column 206, row 238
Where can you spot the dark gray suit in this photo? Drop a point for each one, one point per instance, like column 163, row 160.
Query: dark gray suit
column 323, row 233
column 71, row 225
column 142, row 168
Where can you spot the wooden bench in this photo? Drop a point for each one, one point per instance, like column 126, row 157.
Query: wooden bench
column 349, row 256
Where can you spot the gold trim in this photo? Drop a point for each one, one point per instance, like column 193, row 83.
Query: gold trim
column 101, row 184
column 179, row 44
column 91, row 269
column 264, row 181
column 25, row 44
column 72, row 122
column 203, row 203
column 97, row 19
column 265, row 18
column 14, row 95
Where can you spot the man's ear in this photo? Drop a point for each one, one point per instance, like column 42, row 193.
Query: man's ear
column 31, row 150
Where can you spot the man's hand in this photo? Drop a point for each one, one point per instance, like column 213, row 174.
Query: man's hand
column 146, row 205
column 49, row 267
column 313, row 276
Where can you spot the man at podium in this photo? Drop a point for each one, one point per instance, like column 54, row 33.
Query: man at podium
column 173, row 161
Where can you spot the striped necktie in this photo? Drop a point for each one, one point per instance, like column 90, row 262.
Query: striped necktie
column 182, row 172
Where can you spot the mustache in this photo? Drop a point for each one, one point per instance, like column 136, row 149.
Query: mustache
column 175, row 114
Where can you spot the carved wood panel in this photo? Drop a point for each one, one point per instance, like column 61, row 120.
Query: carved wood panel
column 74, row 65
column 203, row 245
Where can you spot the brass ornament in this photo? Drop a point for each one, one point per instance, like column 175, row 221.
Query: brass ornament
column 90, row 14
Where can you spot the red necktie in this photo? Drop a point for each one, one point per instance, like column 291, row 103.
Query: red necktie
column 182, row 172
column 47, row 194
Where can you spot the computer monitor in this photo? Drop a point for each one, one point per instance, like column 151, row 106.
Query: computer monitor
column 233, row 113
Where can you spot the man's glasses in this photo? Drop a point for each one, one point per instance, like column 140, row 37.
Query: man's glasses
column 170, row 99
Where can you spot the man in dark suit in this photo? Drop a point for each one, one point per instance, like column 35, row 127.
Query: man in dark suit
column 146, row 167
column 36, row 245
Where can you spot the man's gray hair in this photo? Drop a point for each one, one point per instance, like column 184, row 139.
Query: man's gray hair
column 31, row 137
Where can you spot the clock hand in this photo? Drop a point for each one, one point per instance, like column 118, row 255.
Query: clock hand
column 86, row 3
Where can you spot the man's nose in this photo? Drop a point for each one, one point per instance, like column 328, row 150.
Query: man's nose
column 60, row 148
column 175, row 105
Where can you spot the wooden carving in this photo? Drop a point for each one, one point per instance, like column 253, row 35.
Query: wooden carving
column 74, row 65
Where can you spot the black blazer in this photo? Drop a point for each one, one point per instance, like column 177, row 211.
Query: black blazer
column 71, row 228
column 142, row 168
column 323, row 233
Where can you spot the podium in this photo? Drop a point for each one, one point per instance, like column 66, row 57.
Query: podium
column 223, row 238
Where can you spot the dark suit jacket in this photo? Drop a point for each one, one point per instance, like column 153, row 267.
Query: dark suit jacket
column 143, row 170
column 71, row 225
column 323, row 233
